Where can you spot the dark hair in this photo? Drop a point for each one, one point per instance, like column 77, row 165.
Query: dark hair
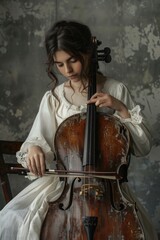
column 70, row 36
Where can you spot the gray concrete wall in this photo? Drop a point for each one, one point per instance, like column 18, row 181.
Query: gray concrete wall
column 130, row 28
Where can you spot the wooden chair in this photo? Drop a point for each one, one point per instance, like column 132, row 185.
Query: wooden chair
column 8, row 148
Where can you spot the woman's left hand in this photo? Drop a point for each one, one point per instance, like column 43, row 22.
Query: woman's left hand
column 105, row 100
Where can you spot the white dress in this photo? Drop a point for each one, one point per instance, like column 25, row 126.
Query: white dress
column 22, row 217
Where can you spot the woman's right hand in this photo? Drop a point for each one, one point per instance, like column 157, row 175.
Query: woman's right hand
column 36, row 160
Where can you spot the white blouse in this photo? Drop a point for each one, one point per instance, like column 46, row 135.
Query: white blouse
column 53, row 112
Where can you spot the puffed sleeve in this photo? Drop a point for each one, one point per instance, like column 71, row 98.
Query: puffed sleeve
column 141, row 139
column 42, row 132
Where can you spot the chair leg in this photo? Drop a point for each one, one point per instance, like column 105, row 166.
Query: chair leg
column 6, row 188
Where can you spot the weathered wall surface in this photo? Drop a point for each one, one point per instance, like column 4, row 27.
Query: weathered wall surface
column 130, row 28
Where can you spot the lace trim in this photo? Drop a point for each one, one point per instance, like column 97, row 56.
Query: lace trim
column 22, row 154
column 135, row 118
column 21, row 158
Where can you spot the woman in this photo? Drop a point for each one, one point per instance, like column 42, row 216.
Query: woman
column 69, row 49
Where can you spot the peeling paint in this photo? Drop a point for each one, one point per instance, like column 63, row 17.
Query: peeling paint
column 132, row 9
column 152, row 42
column 132, row 40
column 14, row 9
column 18, row 113
column 135, row 38
column 8, row 93
column 41, row 34
column 148, row 78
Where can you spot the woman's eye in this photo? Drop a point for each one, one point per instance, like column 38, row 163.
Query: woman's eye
column 59, row 65
column 73, row 60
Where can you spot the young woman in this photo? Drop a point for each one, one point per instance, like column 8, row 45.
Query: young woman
column 69, row 49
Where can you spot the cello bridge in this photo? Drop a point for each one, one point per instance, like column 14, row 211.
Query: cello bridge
column 91, row 190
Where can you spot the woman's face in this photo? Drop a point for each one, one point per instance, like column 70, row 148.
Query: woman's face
column 68, row 65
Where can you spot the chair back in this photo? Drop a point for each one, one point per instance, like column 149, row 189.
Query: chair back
column 8, row 148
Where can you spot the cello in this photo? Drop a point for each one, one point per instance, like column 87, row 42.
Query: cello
column 94, row 149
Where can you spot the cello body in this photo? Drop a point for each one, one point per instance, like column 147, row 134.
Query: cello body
column 92, row 208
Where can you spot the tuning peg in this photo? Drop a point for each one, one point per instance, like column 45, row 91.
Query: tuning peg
column 105, row 56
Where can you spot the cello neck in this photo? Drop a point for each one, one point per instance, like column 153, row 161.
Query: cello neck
column 90, row 141
column 90, row 145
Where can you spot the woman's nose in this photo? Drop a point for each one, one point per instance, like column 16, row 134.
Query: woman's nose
column 68, row 68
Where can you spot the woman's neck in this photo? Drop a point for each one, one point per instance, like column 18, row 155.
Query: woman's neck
column 77, row 86
column 75, row 93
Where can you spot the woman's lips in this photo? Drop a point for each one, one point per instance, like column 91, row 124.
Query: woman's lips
column 72, row 76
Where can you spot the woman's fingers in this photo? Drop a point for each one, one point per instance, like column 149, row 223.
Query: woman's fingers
column 96, row 96
column 106, row 100
column 36, row 165
column 32, row 166
column 42, row 165
column 36, row 161
column 100, row 100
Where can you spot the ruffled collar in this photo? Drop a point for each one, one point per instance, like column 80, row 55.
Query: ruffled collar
column 69, row 105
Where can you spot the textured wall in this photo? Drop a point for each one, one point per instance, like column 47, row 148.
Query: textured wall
column 130, row 28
